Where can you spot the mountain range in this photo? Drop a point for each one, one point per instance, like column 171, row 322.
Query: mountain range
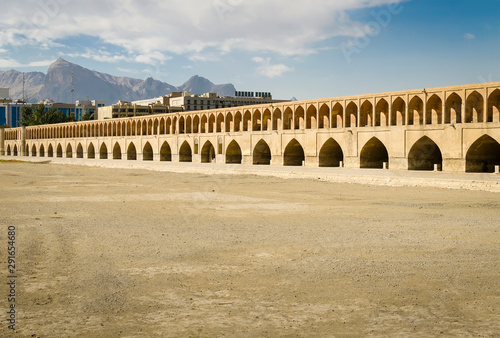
column 57, row 85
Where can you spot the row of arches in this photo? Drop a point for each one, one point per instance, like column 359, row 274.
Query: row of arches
column 393, row 111
column 482, row 156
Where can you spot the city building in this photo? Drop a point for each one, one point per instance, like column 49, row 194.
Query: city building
column 10, row 112
column 129, row 109
column 207, row 101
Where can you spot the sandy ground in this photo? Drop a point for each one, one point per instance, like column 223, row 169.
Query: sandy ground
column 136, row 253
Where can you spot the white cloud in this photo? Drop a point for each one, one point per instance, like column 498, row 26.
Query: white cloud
column 469, row 36
column 267, row 69
column 11, row 63
column 149, row 27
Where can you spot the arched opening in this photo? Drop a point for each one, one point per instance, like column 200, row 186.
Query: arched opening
column 79, row 151
column 196, row 124
column 117, row 152
column 434, row 113
column 287, row 119
column 382, row 113
column 208, row 153
column 211, row 123
column 337, row 116
column 185, row 154
column 474, row 108
column 59, row 151
column 27, row 150
column 266, row 120
column 69, row 151
column 483, row 155
column 262, row 153
column 220, row 123
column 374, row 154
column 324, row 117
column 165, row 152
column 494, row 107
column 351, row 115
column 424, row 155
column 330, row 154
column 50, row 151
column 311, row 118
column 204, row 122
column 398, row 117
column 233, row 153
column 299, row 118
column 147, row 152
column 168, row 126
column 237, row 122
column 15, row 150
column 103, row 152
column 229, row 123
column 33, row 151
column 131, row 152
column 91, row 151
column 257, row 122
column 189, row 123
column 366, row 114
column 182, row 125
column 42, row 151
column 415, row 111
column 294, row 154
column 277, row 122
column 453, row 109
column 247, row 121
column 8, row 150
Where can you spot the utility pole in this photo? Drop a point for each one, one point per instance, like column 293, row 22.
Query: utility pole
column 72, row 85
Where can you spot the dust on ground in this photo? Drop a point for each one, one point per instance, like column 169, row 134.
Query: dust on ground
column 130, row 253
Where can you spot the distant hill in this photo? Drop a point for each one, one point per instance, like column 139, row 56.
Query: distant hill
column 56, row 85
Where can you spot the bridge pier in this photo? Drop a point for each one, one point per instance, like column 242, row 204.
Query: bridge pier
column 247, row 159
column 312, row 161
column 453, row 165
column 398, row 163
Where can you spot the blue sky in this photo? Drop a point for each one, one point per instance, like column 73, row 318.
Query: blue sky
column 303, row 48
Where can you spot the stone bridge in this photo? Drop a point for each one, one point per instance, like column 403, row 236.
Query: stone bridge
column 453, row 129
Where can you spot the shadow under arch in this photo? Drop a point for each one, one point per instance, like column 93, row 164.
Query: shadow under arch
column 208, row 153
column 483, row 155
column 185, row 153
column 165, row 152
column 262, row 153
column 331, row 154
column 373, row 155
column 293, row 154
column 233, row 153
column 424, row 154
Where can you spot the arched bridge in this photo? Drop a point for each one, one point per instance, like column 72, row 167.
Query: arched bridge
column 452, row 129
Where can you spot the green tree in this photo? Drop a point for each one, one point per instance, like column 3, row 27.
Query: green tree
column 38, row 115
column 86, row 117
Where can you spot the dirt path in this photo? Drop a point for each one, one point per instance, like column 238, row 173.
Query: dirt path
column 129, row 253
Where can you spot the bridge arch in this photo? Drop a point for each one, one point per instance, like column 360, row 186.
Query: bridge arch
column 33, row 151
column 220, row 123
column 196, row 124
column 330, row 154
column 416, row 111
column 257, row 121
column 293, row 154
column 79, row 151
column 266, row 120
column 434, row 113
column 147, row 152
column 453, row 109
column 337, row 116
column 299, row 118
column 366, row 114
column 424, row 154
column 8, row 150
column 165, row 152
column 91, row 151
column 69, row 151
column 229, row 122
column 42, row 151
column 131, row 152
column 351, row 118
column 185, row 153
column 59, row 150
column 324, row 116
column 494, row 107
column 117, row 152
column 208, row 153
column 381, row 113
column 398, row 117
column 103, row 152
column 262, row 153
column 311, row 117
column 233, row 153
column 50, row 151
column 483, row 155
column 474, row 106
column 374, row 154
column 15, row 150
column 237, row 121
